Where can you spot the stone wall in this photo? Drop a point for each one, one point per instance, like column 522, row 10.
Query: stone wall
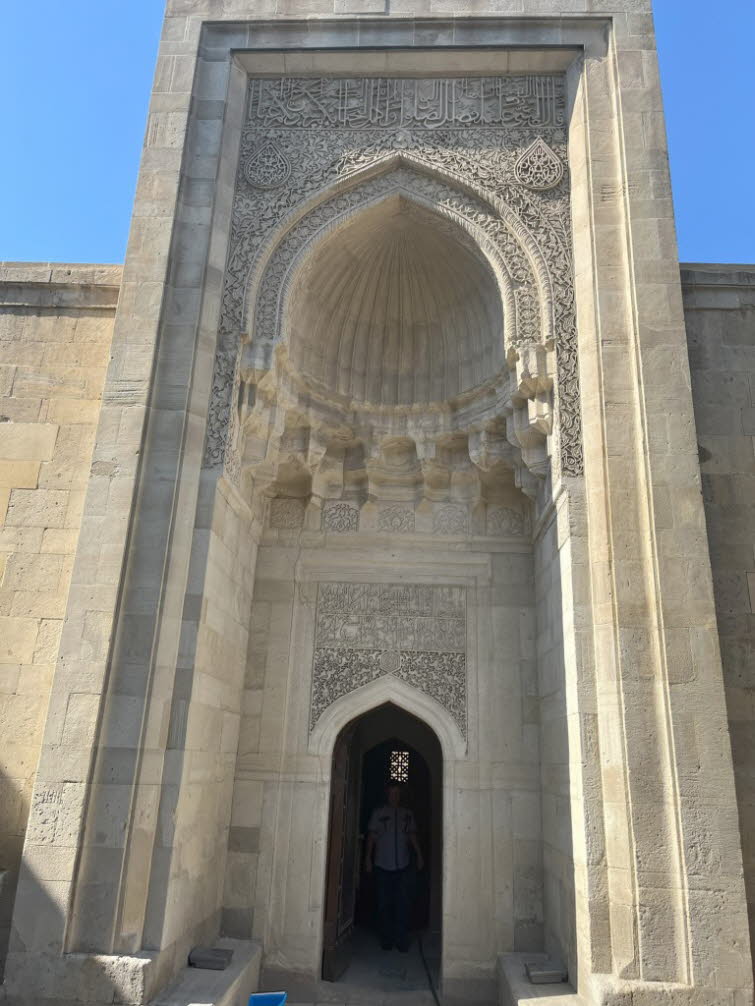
column 311, row 583
column 557, row 853
column 188, row 859
column 719, row 303
column 55, row 332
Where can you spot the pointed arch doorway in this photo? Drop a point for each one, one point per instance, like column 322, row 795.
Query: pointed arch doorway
column 387, row 743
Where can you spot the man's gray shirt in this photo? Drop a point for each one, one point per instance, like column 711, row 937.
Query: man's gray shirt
column 392, row 827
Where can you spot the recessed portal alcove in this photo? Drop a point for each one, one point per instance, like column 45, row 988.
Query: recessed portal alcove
column 386, row 429
column 396, row 307
column 382, row 745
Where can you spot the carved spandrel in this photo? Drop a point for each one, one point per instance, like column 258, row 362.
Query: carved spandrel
column 442, row 676
column 415, row 632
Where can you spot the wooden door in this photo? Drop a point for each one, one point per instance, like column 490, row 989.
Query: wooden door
column 343, row 857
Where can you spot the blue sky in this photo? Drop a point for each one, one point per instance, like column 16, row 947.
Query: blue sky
column 75, row 79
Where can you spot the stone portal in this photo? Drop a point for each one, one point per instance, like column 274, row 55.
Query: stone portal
column 397, row 423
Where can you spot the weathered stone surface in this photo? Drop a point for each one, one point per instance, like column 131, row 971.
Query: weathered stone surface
column 51, row 319
column 720, row 316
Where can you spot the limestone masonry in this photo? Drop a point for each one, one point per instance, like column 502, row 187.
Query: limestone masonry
column 401, row 424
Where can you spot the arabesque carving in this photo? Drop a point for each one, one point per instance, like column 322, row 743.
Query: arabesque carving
column 340, row 517
column 451, row 519
column 396, row 519
column 453, row 146
column 539, row 167
column 504, row 521
column 267, row 167
column 416, row 633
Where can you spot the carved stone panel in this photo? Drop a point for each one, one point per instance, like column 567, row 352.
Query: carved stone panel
column 286, row 514
column 539, row 167
column 396, row 518
column 451, row 518
column 267, row 167
column 414, row 632
column 504, row 521
column 395, row 103
column 340, row 517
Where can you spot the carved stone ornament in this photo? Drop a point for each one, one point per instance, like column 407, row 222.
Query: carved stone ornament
column 451, row 519
column 539, row 167
column 396, row 519
column 395, row 103
column 505, row 522
column 416, row 633
column 287, row 514
column 485, row 155
column 267, row 167
column 340, row 517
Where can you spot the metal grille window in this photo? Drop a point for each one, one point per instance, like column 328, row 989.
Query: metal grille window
column 399, row 766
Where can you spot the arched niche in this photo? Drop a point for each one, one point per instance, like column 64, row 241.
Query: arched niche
column 486, row 225
column 395, row 309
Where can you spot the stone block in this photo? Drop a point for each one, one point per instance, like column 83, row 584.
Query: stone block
column 27, row 441
column 59, row 540
column 73, row 411
column 18, row 637
column 19, row 474
column 359, row 6
column 37, row 508
column 33, row 572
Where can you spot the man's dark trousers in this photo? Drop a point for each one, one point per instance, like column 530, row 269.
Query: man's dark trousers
column 393, row 907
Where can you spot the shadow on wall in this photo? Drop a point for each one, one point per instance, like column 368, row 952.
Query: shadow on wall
column 31, row 922
column 15, row 811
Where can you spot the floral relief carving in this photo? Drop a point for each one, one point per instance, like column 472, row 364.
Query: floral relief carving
column 504, row 521
column 451, row 518
column 320, row 131
column 396, row 519
column 416, row 633
column 539, row 167
column 340, row 517
column 267, row 167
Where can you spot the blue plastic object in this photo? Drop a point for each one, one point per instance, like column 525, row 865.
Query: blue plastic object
column 268, row 998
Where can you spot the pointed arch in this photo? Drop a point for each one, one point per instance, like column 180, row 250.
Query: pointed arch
column 487, row 222
column 387, row 690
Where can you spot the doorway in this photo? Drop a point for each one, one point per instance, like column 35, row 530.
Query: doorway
column 383, row 745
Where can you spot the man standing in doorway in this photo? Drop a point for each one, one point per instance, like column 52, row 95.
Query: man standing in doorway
column 392, row 833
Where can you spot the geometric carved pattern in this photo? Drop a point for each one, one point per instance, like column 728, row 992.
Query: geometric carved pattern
column 539, row 167
column 399, row 766
column 416, row 633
